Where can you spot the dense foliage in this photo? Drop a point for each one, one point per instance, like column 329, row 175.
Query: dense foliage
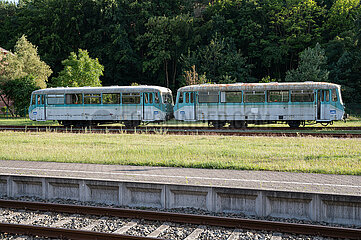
column 80, row 70
column 157, row 41
column 19, row 90
column 23, row 62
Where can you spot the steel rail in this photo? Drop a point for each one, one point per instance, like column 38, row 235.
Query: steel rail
column 62, row 233
column 184, row 131
column 294, row 228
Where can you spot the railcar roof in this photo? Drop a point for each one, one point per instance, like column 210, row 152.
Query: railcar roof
column 259, row 86
column 110, row 89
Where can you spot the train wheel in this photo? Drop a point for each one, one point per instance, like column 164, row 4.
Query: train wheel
column 131, row 124
column 294, row 124
column 218, row 124
column 65, row 123
column 238, row 124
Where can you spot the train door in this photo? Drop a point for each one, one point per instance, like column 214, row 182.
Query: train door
column 323, row 105
column 148, row 113
column 190, row 99
column 40, row 108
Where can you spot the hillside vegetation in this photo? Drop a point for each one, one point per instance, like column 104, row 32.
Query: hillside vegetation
column 156, row 41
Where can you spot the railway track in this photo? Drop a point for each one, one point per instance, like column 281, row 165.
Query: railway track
column 334, row 132
column 196, row 225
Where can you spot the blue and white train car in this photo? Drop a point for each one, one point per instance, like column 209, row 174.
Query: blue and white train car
column 242, row 103
column 83, row 106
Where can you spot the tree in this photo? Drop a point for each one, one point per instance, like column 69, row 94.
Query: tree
column 80, row 70
column 341, row 18
column 293, row 25
column 312, row 66
column 166, row 38
column 19, row 90
column 347, row 72
column 219, row 61
column 191, row 77
column 25, row 61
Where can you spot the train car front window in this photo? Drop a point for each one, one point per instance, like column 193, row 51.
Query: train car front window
column 327, row 96
column 334, row 95
column 192, row 97
column 167, row 98
column 33, row 100
column 146, row 98
column 156, row 97
column 180, row 99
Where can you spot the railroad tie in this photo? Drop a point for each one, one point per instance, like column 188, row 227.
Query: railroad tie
column 276, row 238
column 3, row 217
column 195, row 234
column 21, row 238
column 126, row 227
column 159, row 230
column 235, row 234
column 91, row 226
column 61, row 223
column 32, row 220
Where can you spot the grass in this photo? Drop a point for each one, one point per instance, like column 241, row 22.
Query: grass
column 314, row 155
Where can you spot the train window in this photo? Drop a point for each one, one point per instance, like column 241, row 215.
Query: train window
column 254, row 96
column 233, row 97
column 192, row 97
column 320, row 96
column 327, row 95
column 150, row 97
column 130, row 98
column 334, row 95
column 111, row 98
column 146, row 98
column 278, row 96
column 167, row 98
column 55, row 99
column 156, row 97
column 187, row 97
column 33, row 100
column 74, row 98
column 92, row 98
column 302, row 96
column 40, row 99
column 180, row 99
column 208, row 97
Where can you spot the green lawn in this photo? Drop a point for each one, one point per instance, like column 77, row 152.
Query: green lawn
column 317, row 155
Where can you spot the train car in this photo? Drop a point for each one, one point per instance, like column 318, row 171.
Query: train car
column 260, row 103
column 84, row 106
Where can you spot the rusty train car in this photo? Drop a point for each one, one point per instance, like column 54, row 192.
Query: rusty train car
column 238, row 104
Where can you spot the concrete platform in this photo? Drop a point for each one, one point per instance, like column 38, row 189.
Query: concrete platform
column 316, row 197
